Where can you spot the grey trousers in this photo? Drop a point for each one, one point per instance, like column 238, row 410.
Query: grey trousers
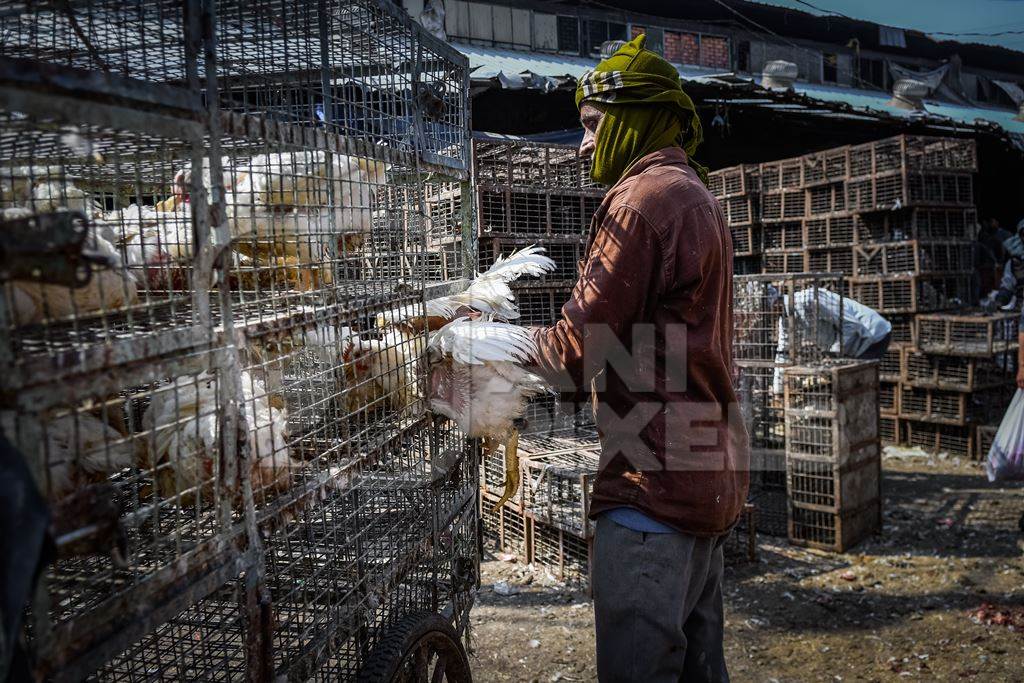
column 657, row 606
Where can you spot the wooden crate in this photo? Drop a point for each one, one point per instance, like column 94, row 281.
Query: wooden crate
column 911, row 293
column 890, row 365
column 540, row 304
column 832, row 530
column 901, row 189
column 828, row 166
column 830, row 231
column 891, row 430
column 951, row 407
column 984, row 435
column 912, row 153
column 830, row 260
column 831, row 411
column 938, row 438
column 734, row 181
column 912, row 257
column 787, row 235
column 558, row 478
column 565, row 555
column 957, row 373
column 974, row 335
column 566, row 252
column 784, row 174
column 506, row 529
column 741, row 210
column 778, row 261
column 826, row 199
column 746, row 240
column 957, row 224
column 783, row 206
column 888, row 398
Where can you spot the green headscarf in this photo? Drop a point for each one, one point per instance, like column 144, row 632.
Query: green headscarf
column 645, row 109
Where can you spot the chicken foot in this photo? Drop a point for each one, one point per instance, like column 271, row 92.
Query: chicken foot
column 511, row 469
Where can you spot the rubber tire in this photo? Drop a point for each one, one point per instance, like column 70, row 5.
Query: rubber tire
column 400, row 641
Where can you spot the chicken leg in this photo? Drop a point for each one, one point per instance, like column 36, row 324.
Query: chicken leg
column 511, row 469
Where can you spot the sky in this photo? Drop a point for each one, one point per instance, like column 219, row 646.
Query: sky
column 981, row 16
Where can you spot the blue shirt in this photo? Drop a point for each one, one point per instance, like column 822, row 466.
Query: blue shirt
column 631, row 518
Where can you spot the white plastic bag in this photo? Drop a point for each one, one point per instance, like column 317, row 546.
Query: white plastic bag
column 1006, row 457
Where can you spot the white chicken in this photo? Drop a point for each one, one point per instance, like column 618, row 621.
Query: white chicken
column 30, row 302
column 157, row 244
column 18, row 182
column 477, row 381
column 79, row 449
column 474, row 376
column 184, row 447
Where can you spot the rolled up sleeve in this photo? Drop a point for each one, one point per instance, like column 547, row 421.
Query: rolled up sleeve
column 623, row 273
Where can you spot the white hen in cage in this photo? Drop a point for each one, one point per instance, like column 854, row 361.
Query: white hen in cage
column 184, row 450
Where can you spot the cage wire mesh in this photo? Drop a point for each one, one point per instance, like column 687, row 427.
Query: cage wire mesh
column 249, row 186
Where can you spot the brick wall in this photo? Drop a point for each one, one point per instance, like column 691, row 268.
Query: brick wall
column 714, row 52
column 681, row 48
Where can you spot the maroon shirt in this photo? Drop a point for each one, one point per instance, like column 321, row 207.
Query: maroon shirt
column 654, row 297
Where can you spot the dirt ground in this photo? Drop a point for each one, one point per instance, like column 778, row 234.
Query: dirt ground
column 939, row 595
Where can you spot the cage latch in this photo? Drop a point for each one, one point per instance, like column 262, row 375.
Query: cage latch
column 49, row 248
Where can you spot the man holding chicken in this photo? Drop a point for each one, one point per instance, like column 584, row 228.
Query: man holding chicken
column 648, row 331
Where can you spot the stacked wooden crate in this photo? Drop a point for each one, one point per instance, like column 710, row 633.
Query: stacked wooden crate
column 833, row 459
column 956, row 378
column 535, row 193
column 737, row 189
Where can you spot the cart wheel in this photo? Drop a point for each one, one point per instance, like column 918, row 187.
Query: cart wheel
column 422, row 646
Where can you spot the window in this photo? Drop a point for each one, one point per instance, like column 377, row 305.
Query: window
column 743, row 56
column 872, row 72
column 598, row 32
column 829, row 67
column 569, row 34
column 681, row 48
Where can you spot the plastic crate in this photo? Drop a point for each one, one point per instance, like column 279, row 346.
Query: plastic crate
column 957, row 373
column 967, row 335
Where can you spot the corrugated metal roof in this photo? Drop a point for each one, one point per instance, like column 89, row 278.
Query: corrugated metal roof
column 509, row 65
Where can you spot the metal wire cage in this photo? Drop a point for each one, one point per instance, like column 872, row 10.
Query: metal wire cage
column 210, row 207
column 798, row 308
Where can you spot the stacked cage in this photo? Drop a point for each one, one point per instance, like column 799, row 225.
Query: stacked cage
column 833, row 459
column 776, row 319
column 535, row 193
column 955, row 382
column 738, row 192
column 207, row 207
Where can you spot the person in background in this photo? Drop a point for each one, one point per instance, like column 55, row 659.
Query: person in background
column 989, row 254
column 816, row 317
column 1004, row 296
